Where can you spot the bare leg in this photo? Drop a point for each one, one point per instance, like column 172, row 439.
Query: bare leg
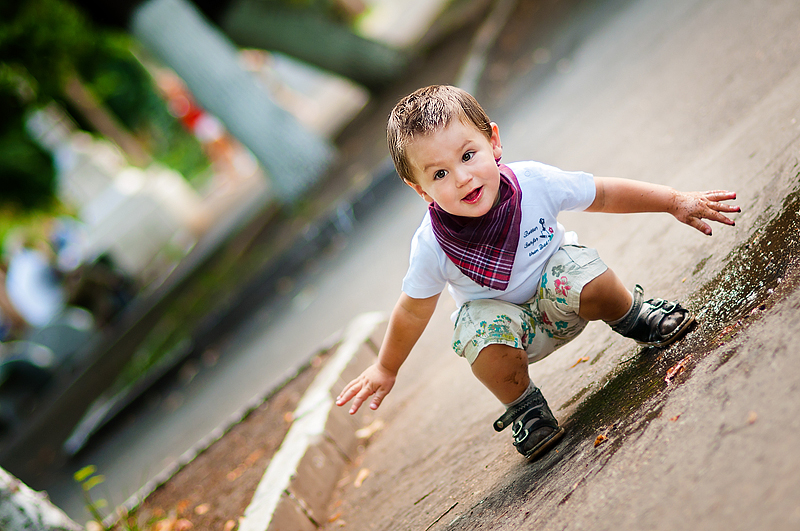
column 503, row 370
column 605, row 298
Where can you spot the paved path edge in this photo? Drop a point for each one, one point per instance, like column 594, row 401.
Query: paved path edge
column 354, row 348
column 297, row 485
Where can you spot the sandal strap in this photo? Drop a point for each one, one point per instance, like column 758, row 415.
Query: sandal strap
column 643, row 323
column 520, row 432
column 648, row 331
column 534, row 398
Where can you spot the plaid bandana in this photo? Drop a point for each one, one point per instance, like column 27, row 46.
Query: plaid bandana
column 483, row 248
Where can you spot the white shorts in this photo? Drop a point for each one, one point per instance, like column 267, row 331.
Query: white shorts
column 539, row 326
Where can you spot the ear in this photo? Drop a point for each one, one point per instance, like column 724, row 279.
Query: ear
column 497, row 146
column 420, row 192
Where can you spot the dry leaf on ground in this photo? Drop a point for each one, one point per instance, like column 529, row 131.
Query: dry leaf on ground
column 580, row 360
column 202, row 509
column 165, row 525
column 369, row 431
column 678, row 368
column 362, row 475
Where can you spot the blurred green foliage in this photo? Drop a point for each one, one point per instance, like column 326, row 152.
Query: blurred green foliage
column 42, row 44
column 36, row 42
column 26, row 170
column 118, row 79
column 39, row 42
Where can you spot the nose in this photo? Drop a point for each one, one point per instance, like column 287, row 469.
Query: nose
column 462, row 178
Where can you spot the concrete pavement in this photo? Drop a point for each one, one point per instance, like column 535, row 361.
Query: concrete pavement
column 696, row 94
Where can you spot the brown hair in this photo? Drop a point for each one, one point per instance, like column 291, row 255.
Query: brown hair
column 425, row 111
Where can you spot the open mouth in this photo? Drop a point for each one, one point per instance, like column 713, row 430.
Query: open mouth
column 474, row 195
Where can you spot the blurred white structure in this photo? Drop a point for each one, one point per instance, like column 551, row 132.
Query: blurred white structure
column 145, row 219
column 400, row 23
column 140, row 214
column 32, row 288
column 134, row 215
column 322, row 102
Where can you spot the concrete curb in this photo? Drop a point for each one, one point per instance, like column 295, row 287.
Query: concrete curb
column 365, row 332
column 297, row 485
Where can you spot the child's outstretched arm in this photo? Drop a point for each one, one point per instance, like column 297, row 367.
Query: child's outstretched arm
column 407, row 322
column 623, row 196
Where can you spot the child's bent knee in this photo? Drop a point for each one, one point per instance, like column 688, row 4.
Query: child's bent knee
column 497, row 351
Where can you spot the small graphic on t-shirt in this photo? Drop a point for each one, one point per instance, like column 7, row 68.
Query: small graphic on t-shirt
column 537, row 238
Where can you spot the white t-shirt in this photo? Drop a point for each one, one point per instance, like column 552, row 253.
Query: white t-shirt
column 546, row 191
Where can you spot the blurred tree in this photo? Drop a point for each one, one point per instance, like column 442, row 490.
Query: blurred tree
column 121, row 83
column 28, row 77
column 39, row 41
column 26, row 170
column 49, row 51
column 309, row 30
column 315, row 31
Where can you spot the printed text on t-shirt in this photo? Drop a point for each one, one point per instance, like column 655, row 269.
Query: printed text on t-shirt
column 537, row 238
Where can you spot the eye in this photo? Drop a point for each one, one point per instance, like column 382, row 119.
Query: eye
column 440, row 174
column 467, row 156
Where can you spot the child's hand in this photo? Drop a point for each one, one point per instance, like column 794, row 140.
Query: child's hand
column 376, row 379
column 692, row 207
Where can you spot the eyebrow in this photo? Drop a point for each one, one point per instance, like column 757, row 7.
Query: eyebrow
column 463, row 146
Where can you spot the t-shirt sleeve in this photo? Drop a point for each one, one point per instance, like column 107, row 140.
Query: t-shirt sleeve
column 425, row 277
column 565, row 190
column 575, row 189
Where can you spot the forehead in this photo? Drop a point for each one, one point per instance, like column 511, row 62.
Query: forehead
column 454, row 135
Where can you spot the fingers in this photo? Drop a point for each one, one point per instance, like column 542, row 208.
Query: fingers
column 712, row 212
column 700, row 225
column 721, row 218
column 720, row 195
column 376, row 401
column 347, row 393
column 372, row 381
column 722, row 207
column 358, row 392
column 361, row 397
column 717, row 210
column 712, row 208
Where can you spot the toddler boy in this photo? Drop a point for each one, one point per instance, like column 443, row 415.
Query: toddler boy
column 522, row 284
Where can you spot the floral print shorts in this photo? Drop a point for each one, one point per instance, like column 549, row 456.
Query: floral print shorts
column 541, row 325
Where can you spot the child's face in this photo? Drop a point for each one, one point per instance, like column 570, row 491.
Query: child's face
column 456, row 167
